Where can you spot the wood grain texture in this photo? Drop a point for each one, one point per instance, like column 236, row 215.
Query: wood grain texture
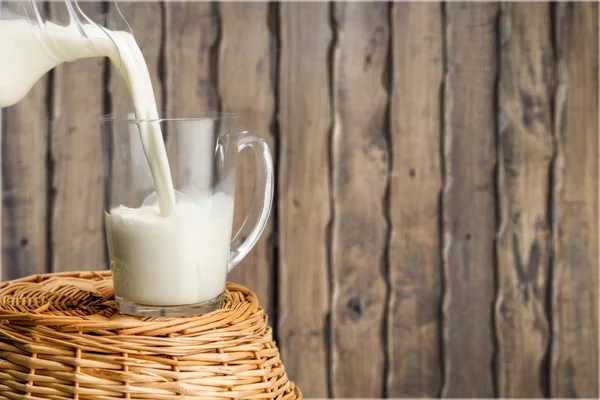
column 77, row 186
column 416, row 183
column 360, row 179
column 245, row 89
column 574, row 369
column 130, row 185
column 25, row 184
column 191, row 34
column 304, row 209
column 468, row 200
column 526, row 148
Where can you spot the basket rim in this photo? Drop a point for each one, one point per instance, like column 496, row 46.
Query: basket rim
column 116, row 321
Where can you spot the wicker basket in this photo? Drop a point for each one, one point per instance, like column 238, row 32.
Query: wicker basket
column 61, row 337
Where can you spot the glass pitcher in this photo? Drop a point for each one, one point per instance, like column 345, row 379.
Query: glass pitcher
column 35, row 40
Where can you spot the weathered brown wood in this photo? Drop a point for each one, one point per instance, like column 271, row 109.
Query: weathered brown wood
column 414, row 323
column 574, row 369
column 304, row 209
column 130, row 186
column 77, row 233
column 245, row 89
column 191, row 33
column 526, row 149
column 468, row 200
column 24, row 184
column 360, row 178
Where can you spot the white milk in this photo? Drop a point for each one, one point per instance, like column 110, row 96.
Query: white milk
column 166, row 254
column 27, row 54
column 174, row 260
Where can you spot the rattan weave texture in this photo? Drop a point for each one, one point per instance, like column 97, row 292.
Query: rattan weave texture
column 61, row 337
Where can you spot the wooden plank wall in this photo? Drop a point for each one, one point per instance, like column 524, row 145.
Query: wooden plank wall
column 435, row 230
column 304, row 208
column 414, row 326
column 76, row 200
column 360, row 178
column 574, row 313
column 525, row 154
column 468, row 200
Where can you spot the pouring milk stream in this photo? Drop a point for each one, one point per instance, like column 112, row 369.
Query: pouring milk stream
column 30, row 59
column 144, row 239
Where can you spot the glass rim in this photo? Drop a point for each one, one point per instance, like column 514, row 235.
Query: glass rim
column 214, row 115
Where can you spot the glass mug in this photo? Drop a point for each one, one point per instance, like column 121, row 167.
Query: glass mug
column 177, row 265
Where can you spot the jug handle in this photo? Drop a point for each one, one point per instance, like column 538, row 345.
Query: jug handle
column 262, row 200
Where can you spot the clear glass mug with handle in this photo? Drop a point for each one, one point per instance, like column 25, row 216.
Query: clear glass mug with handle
column 177, row 265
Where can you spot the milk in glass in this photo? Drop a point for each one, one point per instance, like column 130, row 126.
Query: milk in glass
column 168, row 253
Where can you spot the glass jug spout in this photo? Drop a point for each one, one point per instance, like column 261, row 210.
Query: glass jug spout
column 84, row 20
column 40, row 35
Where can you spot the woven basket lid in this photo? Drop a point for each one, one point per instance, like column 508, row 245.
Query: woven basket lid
column 62, row 337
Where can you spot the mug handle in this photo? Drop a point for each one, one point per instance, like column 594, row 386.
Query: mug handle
column 257, row 217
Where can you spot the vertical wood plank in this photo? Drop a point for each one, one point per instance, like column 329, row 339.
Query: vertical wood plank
column 360, row 178
column 574, row 369
column 416, row 183
column 191, row 33
column 25, row 184
column 468, row 199
column 130, row 187
column 525, row 151
column 245, row 90
column 304, row 210
column 77, row 233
